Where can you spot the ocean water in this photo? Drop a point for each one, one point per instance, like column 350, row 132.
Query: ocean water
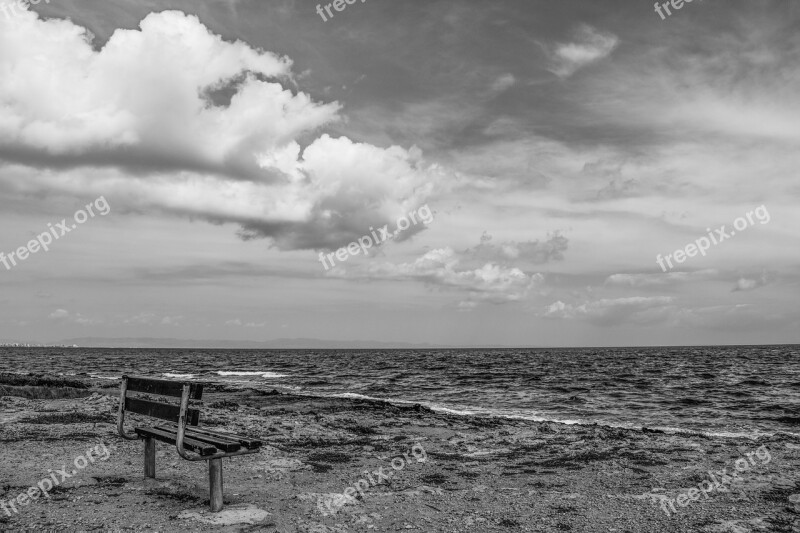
column 742, row 390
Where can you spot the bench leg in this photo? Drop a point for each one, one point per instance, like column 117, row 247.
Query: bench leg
column 149, row 457
column 215, row 484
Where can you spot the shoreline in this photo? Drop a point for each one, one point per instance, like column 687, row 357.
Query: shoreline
column 291, row 390
column 481, row 473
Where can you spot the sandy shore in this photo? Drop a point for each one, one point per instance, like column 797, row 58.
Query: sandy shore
column 439, row 472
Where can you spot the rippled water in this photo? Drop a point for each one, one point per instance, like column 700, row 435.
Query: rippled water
column 724, row 390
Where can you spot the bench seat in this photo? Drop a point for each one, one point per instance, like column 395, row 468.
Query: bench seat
column 171, row 437
column 202, row 441
column 227, row 442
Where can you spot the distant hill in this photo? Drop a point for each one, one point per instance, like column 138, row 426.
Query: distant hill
column 276, row 344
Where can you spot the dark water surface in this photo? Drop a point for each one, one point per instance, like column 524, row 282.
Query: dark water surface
column 721, row 390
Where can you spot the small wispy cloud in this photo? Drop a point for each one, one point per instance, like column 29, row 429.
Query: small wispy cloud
column 749, row 284
column 503, row 83
column 62, row 315
column 588, row 46
column 614, row 311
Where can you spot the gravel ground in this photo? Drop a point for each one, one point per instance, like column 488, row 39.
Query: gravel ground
column 440, row 473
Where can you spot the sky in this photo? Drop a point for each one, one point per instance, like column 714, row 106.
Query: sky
column 534, row 162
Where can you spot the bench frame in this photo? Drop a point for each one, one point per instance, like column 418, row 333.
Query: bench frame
column 214, row 460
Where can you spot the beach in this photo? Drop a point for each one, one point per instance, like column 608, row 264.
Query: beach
column 441, row 472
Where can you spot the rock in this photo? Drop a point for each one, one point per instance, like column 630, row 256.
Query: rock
column 232, row 514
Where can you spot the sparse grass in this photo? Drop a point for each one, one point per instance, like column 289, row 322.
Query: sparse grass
column 330, row 457
column 60, row 492
column 645, row 459
column 39, row 380
column 778, row 495
column 380, row 446
column 69, row 418
column 182, row 497
column 320, row 468
column 316, row 442
column 579, row 460
column 361, row 430
column 313, row 442
column 445, row 456
column 212, row 422
column 434, row 479
column 42, row 393
column 111, row 481
column 225, row 404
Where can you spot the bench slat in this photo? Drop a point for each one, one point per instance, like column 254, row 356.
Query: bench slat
column 247, row 442
column 224, row 444
column 244, row 441
column 171, row 438
column 160, row 410
column 163, row 387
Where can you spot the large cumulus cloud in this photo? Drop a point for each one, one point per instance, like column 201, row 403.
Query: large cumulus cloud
column 170, row 117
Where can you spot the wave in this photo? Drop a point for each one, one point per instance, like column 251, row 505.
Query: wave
column 98, row 376
column 516, row 415
column 265, row 375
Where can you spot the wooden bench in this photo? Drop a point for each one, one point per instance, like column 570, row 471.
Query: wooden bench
column 180, row 428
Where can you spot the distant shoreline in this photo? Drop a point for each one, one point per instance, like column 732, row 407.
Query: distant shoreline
column 318, row 344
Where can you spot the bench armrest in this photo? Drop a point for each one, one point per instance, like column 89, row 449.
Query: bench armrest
column 191, row 456
column 121, row 413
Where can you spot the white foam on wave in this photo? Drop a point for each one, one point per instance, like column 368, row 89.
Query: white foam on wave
column 178, row 376
column 460, row 411
column 98, row 376
column 265, row 375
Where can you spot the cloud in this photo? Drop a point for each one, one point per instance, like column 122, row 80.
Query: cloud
column 589, row 45
column 503, row 83
column 63, row 315
column 141, row 318
column 520, row 252
column 172, row 320
column 139, row 103
column 659, row 279
column 735, row 317
column 171, row 118
column 749, row 284
column 442, row 268
column 613, row 312
column 486, row 273
column 237, row 322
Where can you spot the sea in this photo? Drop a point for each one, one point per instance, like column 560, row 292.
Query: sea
column 715, row 390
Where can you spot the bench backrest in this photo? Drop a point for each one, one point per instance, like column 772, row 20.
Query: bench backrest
column 160, row 387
